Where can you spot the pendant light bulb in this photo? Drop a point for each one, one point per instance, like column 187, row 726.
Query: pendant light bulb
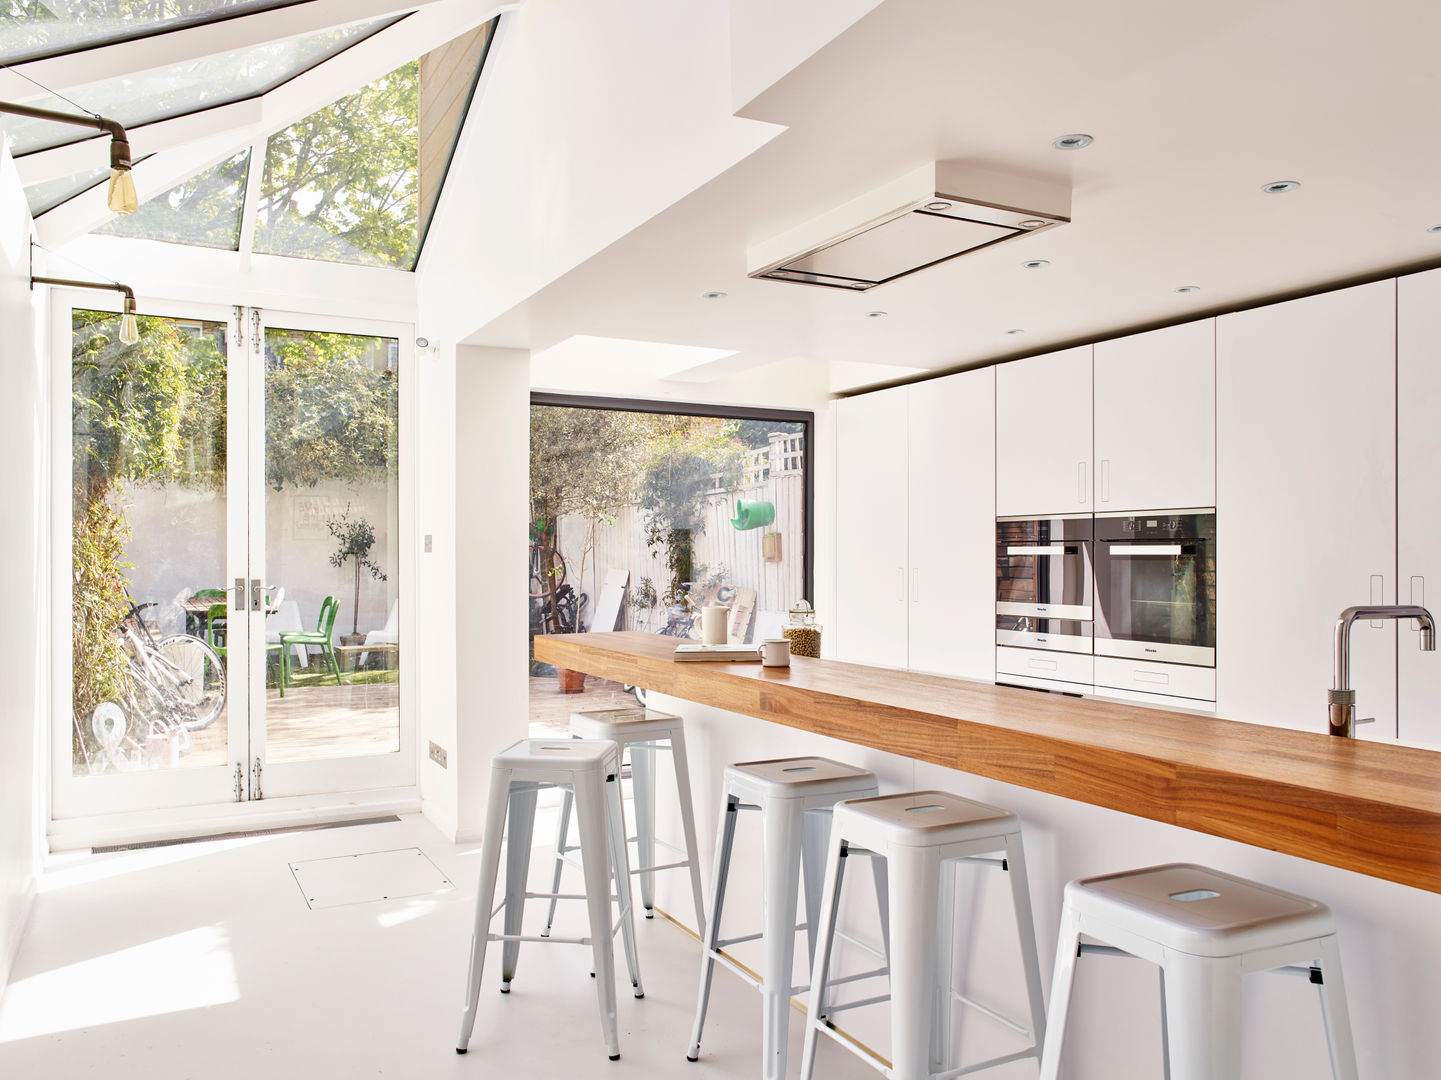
column 129, row 331
column 121, row 197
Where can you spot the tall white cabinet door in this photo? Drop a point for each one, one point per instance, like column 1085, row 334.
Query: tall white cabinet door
column 872, row 579
column 1043, row 434
column 1156, row 419
column 1305, row 504
column 952, row 525
column 1418, row 510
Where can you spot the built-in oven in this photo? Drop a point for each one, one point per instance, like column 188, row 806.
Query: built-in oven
column 1043, row 583
column 1156, row 586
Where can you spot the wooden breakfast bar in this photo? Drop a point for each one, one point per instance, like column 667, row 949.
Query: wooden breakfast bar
column 1370, row 808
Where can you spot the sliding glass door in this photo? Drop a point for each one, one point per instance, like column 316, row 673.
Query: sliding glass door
column 229, row 592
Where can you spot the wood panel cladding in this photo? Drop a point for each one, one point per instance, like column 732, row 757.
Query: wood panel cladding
column 1367, row 807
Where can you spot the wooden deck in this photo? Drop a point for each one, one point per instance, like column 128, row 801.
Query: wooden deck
column 550, row 709
column 313, row 722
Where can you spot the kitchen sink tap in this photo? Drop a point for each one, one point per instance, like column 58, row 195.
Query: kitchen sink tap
column 1342, row 699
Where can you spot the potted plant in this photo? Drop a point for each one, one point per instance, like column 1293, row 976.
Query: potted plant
column 356, row 537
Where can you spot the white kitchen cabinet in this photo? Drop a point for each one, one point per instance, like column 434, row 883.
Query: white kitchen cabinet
column 1305, row 504
column 1043, row 434
column 916, row 526
column 952, row 450
column 1155, row 419
column 871, row 528
column 1418, row 511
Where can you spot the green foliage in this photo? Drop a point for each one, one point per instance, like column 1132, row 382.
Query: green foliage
column 357, row 537
column 98, row 607
column 672, row 492
column 343, row 183
column 203, row 210
column 756, row 434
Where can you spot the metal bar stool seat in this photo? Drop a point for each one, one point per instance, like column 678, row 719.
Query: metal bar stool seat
column 590, row 769
column 921, row 837
column 643, row 733
column 795, row 797
column 1204, row 930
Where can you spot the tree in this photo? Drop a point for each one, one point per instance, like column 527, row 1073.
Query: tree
column 357, row 537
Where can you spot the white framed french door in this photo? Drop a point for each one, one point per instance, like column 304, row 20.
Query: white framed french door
column 191, row 468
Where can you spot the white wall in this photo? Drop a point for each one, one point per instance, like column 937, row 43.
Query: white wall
column 24, row 552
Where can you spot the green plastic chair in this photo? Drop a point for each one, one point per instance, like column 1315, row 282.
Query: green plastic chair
column 215, row 628
column 329, row 607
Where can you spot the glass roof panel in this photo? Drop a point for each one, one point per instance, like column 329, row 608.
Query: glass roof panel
column 203, row 211
column 30, row 29
column 161, row 93
column 48, row 194
column 354, row 182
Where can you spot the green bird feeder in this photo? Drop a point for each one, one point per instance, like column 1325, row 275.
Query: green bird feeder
column 753, row 515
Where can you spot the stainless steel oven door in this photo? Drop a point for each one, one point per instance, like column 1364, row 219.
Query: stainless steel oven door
column 1043, row 583
column 1156, row 586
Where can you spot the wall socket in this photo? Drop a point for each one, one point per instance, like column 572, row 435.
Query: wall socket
column 437, row 754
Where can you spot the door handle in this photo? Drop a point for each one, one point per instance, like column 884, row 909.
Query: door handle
column 901, row 584
column 1106, row 480
column 239, row 590
column 915, row 584
column 257, row 593
column 1378, row 596
column 1081, row 482
column 1418, row 597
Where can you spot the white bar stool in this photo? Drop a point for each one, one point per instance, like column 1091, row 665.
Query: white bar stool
column 917, row 834
column 1204, row 929
column 795, row 797
column 591, row 770
column 644, row 732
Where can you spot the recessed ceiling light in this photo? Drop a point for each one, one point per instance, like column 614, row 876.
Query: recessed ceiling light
column 1036, row 264
column 713, row 295
column 938, row 205
column 1030, row 223
column 876, row 314
column 1015, row 331
column 1278, row 187
column 1187, row 288
column 1072, row 142
column 1433, row 228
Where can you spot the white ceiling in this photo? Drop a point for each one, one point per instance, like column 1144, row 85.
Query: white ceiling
column 1193, row 108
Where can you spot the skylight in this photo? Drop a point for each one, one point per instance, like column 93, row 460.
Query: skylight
column 162, row 93
column 31, row 29
column 203, row 211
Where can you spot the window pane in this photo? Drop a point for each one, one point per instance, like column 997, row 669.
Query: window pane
column 204, row 210
column 148, row 525
column 332, row 534
column 183, row 88
column 341, row 184
column 690, row 510
column 448, row 76
column 35, row 28
column 51, row 193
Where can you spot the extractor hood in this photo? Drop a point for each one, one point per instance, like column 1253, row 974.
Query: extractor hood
column 930, row 215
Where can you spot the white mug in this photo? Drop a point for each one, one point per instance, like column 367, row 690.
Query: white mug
column 776, row 652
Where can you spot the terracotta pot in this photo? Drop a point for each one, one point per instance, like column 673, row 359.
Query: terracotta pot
column 571, row 682
column 352, row 639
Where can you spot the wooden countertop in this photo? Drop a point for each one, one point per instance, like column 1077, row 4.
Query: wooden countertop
column 1367, row 807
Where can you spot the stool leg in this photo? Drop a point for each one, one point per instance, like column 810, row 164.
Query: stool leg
column 915, row 896
column 620, row 871
column 945, row 948
column 725, row 841
column 484, row 898
column 642, row 771
column 1026, row 934
column 782, row 830
column 1334, row 1010
column 687, row 821
column 815, row 839
column 590, row 812
column 1203, row 1016
column 517, row 869
column 1066, row 946
column 836, row 860
column 562, row 833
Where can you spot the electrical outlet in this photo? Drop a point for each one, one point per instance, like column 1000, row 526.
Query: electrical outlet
column 437, row 754
column 427, row 543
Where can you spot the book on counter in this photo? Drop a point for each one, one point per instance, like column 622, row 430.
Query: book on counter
column 696, row 651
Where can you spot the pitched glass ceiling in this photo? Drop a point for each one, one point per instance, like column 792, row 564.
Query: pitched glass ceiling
column 162, row 93
column 203, row 211
column 31, row 29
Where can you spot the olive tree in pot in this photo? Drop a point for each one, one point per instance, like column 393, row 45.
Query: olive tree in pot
column 357, row 537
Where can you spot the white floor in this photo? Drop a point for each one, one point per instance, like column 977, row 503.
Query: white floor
column 205, row 961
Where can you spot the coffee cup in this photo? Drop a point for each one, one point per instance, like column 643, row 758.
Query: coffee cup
column 776, row 652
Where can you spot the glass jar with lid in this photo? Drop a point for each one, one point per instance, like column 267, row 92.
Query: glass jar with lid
column 803, row 631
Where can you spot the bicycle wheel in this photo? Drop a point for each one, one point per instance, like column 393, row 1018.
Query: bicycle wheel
column 202, row 675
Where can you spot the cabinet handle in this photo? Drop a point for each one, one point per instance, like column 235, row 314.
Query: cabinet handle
column 1106, row 480
column 915, row 584
column 901, row 584
column 1081, row 482
column 1378, row 596
column 1418, row 597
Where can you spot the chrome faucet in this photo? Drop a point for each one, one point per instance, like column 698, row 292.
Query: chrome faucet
column 1342, row 699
